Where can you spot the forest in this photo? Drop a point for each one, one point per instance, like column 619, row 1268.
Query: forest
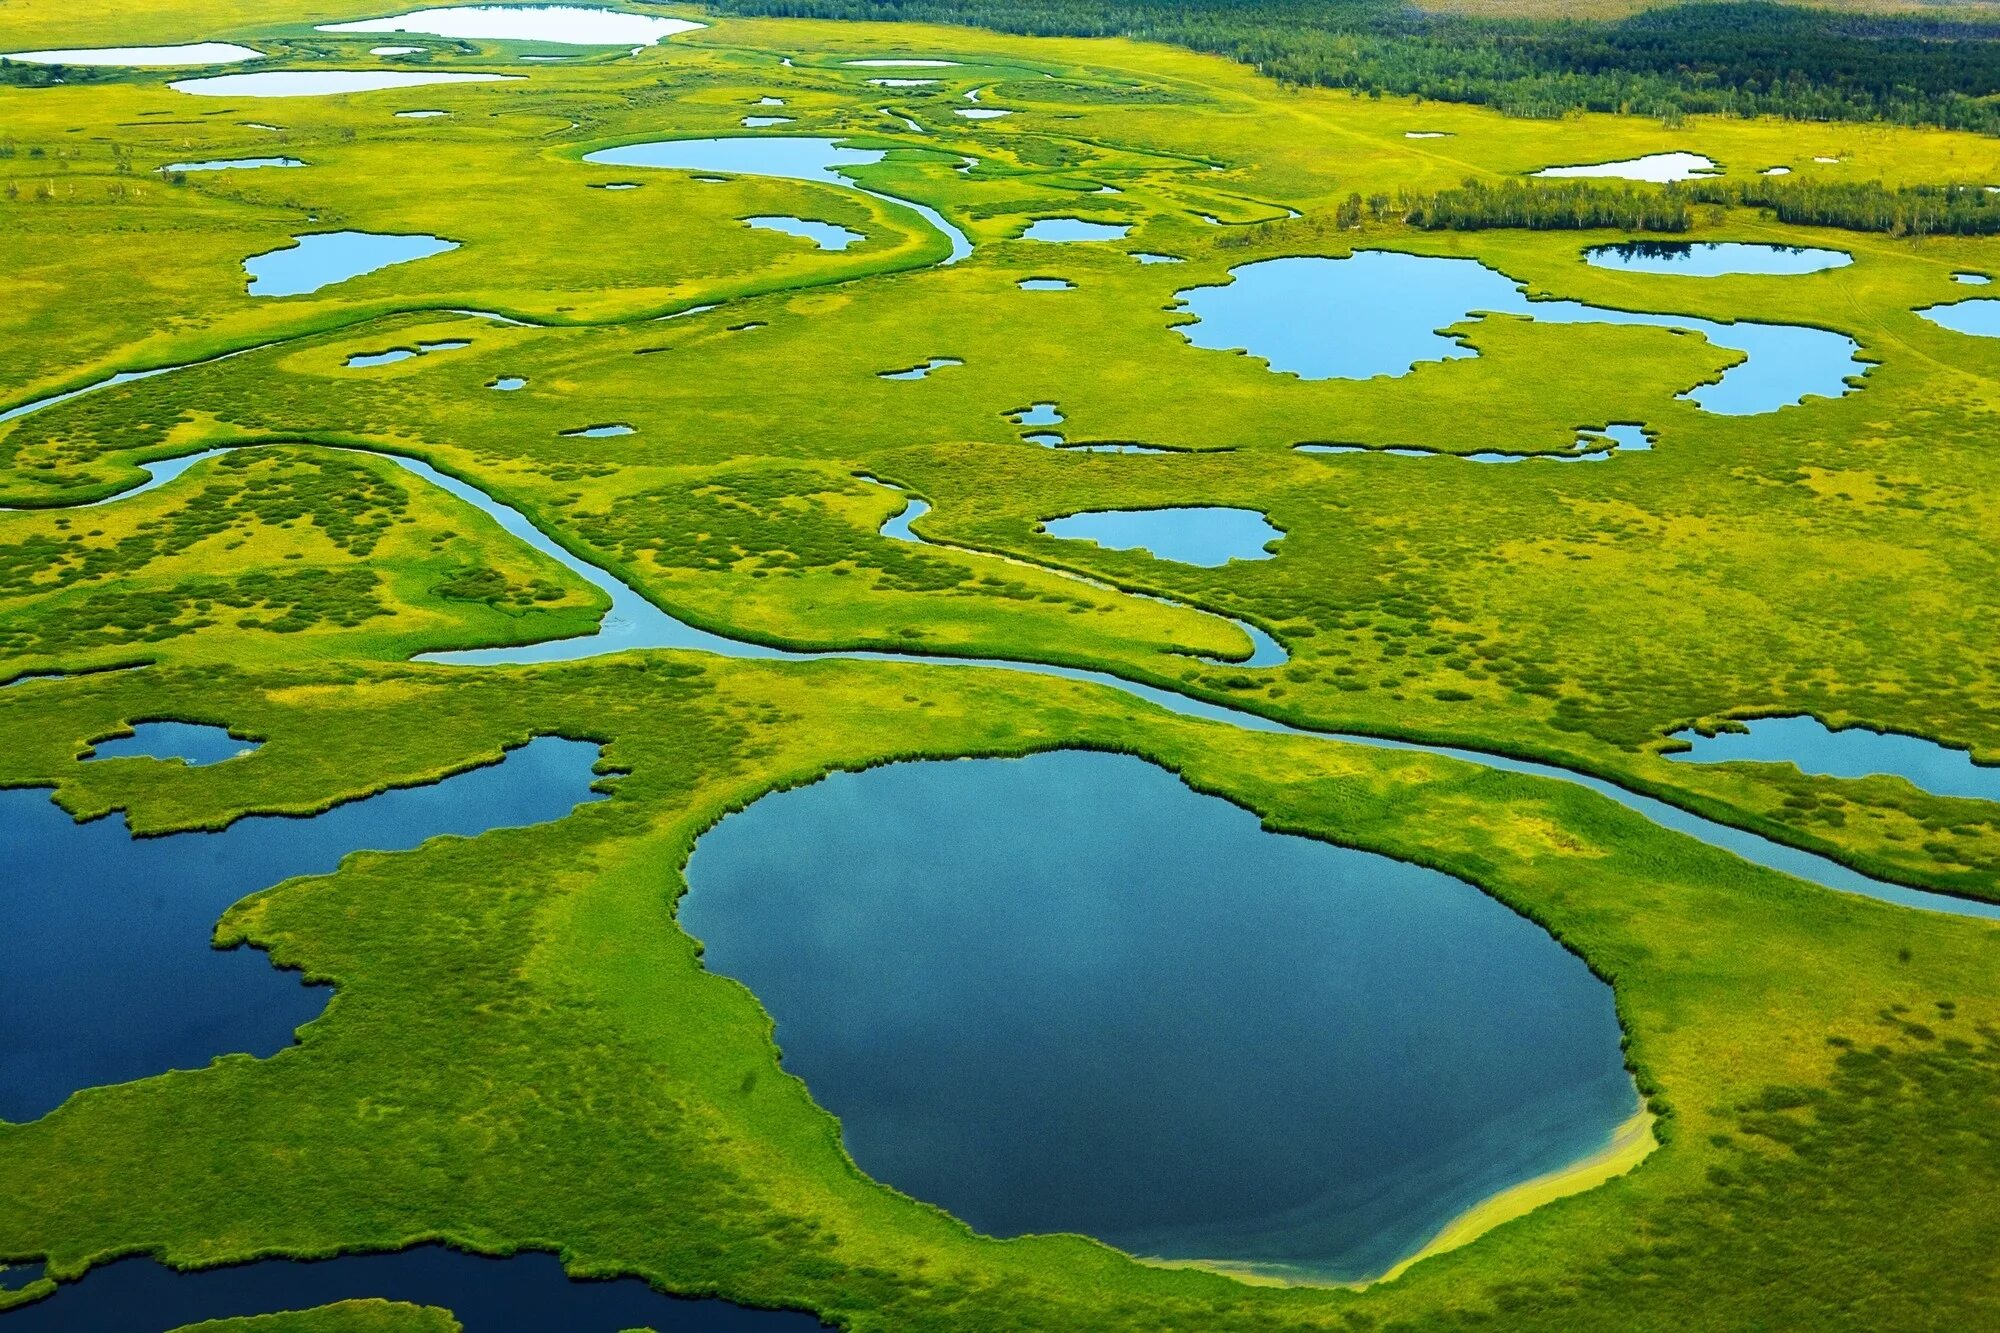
column 1736, row 59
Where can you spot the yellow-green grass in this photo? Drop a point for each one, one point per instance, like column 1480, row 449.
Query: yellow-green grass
column 361, row 1316
column 523, row 1050
column 520, row 1009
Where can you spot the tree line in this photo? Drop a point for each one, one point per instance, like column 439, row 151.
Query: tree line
column 1738, row 59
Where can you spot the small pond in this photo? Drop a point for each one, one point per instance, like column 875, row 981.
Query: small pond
column 787, row 157
column 602, row 432
column 764, row 122
column 363, row 360
column 1147, row 1019
column 1046, row 285
column 394, row 50
column 1979, row 317
column 103, row 925
column 1038, row 414
column 1850, row 752
column 562, row 25
column 140, row 57
column 420, row 115
column 825, row 235
column 508, row 383
column 1074, row 229
column 1592, row 445
column 1387, row 308
column 1207, row 535
column 526, row 1293
column 233, row 164
column 901, row 64
column 981, row 113
column 1148, row 257
column 902, row 83
column 321, row 259
column 1712, row 259
column 1971, row 279
column 1656, row 167
column 919, row 372
column 191, row 743
column 321, row 83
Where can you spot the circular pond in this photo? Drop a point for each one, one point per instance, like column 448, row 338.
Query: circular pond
column 1067, row 993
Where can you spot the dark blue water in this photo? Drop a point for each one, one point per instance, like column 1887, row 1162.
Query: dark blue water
column 189, row 742
column 1378, row 312
column 324, row 258
column 528, row 1293
column 101, row 930
column 1852, row 752
column 1207, row 535
column 1066, row 993
column 1712, row 259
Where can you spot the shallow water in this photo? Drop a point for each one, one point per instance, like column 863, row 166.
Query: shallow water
column 1148, row 257
column 919, row 372
column 508, row 383
column 140, row 57
column 635, row 622
column 363, row 360
column 233, row 164
column 1147, row 1019
column 787, row 157
column 902, row 83
column 1851, row 752
column 322, row 83
column 1391, row 306
column 1207, row 535
column 1074, row 229
column 1046, row 285
column 764, row 122
column 1656, row 167
column 1971, row 279
column 981, row 113
column 1710, row 259
column 1979, row 317
column 321, row 259
column 194, row 744
column 901, row 64
column 825, row 235
column 1591, row 446
column 102, row 925
column 561, row 25
column 599, row 432
column 1048, row 439
column 1038, row 414
column 420, row 115
column 525, row 1293
column 394, row 50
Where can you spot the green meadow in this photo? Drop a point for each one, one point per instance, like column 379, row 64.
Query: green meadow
column 524, row 1050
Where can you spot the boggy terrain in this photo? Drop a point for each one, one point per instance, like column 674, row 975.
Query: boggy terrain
column 523, row 1050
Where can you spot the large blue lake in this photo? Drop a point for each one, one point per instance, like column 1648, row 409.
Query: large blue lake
column 1067, row 993
column 1378, row 312
column 98, row 926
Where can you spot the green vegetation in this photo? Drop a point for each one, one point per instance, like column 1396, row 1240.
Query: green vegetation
column 368, row 1316
column 523, row 1049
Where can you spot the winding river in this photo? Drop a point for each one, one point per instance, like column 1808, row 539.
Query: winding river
column 634, row 622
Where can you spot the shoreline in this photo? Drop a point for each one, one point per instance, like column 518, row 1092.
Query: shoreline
column 1631, row 1143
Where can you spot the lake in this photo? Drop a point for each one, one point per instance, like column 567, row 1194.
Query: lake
column 1067, row 993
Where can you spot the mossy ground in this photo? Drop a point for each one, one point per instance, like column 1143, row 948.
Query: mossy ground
column 524, row 1050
